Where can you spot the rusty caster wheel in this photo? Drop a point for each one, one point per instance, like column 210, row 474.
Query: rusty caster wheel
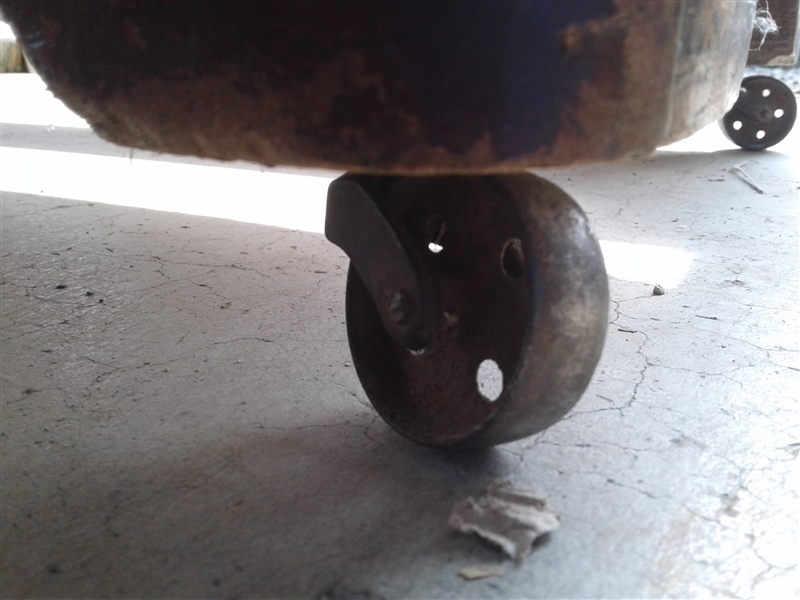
column 455, row 277
column 763, row 115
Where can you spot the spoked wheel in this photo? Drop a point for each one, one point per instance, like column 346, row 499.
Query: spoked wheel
column 763, row 115
column 520, row 295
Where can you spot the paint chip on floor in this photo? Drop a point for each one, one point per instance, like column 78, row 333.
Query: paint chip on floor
column 507, row 516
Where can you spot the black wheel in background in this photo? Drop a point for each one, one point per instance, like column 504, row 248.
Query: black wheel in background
column 762, row 116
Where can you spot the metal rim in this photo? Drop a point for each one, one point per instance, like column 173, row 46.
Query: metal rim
column 521, row 284
column 763, row 115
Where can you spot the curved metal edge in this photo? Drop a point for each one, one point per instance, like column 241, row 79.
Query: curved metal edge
column 393, row 272
column 567, row 332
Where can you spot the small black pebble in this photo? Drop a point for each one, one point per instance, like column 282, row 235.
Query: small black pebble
column 61, row 286
column 90, row 293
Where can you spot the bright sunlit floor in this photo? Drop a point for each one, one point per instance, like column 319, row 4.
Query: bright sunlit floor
column 211, row 188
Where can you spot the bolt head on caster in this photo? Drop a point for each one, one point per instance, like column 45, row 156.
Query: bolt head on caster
column 513, row 282
column 763, row 115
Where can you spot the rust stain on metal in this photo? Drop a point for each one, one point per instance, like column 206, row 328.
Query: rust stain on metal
column 385, row 87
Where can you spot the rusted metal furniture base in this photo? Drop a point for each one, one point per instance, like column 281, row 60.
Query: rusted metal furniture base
column 411, row 87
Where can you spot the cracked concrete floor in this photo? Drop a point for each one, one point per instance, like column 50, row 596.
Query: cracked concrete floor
column 180, row 417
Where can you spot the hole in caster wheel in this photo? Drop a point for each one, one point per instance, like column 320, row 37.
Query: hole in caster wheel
column 513, row 261
column 490, row 380
column 516, row 274
column 435, row 229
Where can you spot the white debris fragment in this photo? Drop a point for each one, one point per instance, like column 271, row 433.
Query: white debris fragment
column 764, row 25
column 481, row 572
column 740, row 173
column 507, row 516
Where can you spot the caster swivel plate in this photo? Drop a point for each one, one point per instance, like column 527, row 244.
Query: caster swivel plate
column 452, row 275
column 763, row 115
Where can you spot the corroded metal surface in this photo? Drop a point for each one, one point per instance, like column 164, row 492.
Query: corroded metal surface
column 389, row 260
column 391, row 86
column 712, row 42
column 520, row 281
